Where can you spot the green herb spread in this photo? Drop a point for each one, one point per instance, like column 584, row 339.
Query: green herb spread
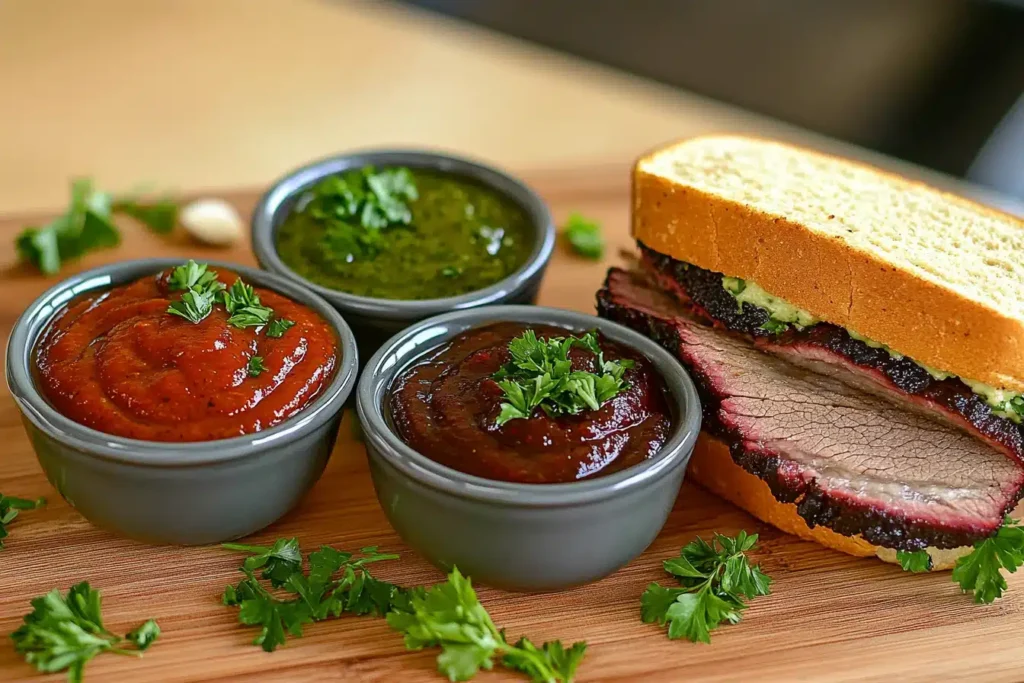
column 404, row 234
column 1005, row 403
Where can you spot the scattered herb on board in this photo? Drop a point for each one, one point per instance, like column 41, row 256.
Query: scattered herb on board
column 980, row 571
column 88, row 224
column 540, row 374
column 335, row 582
column 201, row 290
column 66, row 631
column 9, row 509
column 716, row 581
column 914, row 561
column 354, row 211
column 584, row 236
column 450, row 616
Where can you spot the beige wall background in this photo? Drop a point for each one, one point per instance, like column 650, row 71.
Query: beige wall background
column 193, row 94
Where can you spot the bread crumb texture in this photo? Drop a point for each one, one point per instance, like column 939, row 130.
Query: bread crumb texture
column 950, row 241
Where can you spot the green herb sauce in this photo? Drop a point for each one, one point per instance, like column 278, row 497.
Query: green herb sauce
column 463, row 236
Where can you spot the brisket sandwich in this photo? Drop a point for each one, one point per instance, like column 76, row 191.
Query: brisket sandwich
column 857, row 339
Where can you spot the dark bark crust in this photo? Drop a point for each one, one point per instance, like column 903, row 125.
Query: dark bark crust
column 816, row 506
column 702, row 292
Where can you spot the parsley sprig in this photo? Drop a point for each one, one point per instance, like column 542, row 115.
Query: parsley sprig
column 88, row 224
column 584, row 236
column 980, row 571
column 450, row 616
column 336, row 582
column 717, row 579
column 539, row 374
column 9, row 509
column 66, row 631
column 355, row 206
column 201, row 290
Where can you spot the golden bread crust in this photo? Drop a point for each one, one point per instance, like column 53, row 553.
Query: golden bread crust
column 849, row 286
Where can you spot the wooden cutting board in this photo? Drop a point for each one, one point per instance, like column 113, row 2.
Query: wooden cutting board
column 830, row 617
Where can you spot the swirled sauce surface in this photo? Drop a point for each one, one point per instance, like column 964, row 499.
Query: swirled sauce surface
column 445, row 408
column 116, row 361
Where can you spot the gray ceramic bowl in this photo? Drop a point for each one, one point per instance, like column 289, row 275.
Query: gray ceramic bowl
column 183, row 493
column 522, row 536
column 375, row 320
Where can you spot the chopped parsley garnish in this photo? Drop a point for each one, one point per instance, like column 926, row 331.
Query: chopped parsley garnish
column 717, row 579
column 584, row 236
column 278, row 326
column 9, row 509
column 201, row 290
column 335, row 582
column 86, row 225
column 540, row 374
column 450, row 616
column 775, row 326
column 66, row 631
column 255, row 366
column 354, row 209
column 450, row 271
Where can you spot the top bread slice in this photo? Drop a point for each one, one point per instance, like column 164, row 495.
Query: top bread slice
column 933, row 276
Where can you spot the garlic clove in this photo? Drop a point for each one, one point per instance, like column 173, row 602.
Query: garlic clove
column 212, row 221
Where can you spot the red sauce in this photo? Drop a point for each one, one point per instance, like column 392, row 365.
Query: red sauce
column 116, row 361
column 445, row 408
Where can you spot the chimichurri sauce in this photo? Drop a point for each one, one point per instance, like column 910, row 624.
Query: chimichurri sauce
column 463, row 236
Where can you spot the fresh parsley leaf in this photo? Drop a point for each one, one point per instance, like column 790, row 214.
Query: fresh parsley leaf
column 66, row 631
column 159, row 216
column 278, row 326
column 450, row 616
column 716, row 581
column 194, row 275
column 85, row 226
column 336, row 582
column 145, row 635
column 278, row 561
column 255, row 366
column 242, row 302
column 539, row 374
column 251, row 316
column 355, row 206
column 914, row 561
column 585, row 236
column 980, row 571
column 240, row 296
column 193, row 306
column 9, row 509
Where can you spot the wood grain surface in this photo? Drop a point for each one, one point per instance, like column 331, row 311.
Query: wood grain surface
column 829, row 618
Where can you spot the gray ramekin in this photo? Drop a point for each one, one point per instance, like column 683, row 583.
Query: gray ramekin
column 375, row 320
column 181, row 493
column 522, row 536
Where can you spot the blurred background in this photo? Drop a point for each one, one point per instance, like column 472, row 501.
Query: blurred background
column 192, row 94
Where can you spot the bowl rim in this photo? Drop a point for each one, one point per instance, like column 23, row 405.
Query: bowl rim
column 264, row 218
column 30, row 324
column 412, row 343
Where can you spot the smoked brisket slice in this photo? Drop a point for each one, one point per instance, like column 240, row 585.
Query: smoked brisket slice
column 829, row 349
column 850, row 461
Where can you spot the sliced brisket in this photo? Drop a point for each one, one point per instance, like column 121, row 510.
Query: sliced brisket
column 850, row 461
column 829, row 349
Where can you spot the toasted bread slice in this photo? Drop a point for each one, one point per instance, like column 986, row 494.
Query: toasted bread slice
column 712, row 467
column 932, row 276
